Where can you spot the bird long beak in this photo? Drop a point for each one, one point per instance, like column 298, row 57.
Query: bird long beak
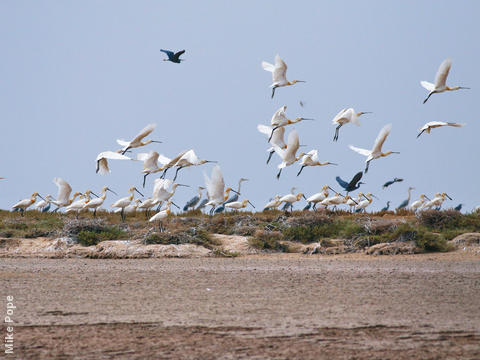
column 426, row 197
column 395, row 152
column 112, row 191
column 463, row 87
column 251, row 204
column 156, row 141
column 308, row 119
column 354, row 201
column 94, row 194
column 448, row 196
column 41, row 197
column 138, row 191
column 365, row 197
column 366, row 112
column 211, row 161
column 236, row 192
column 301, row 81
column 330, row 163
column 332, row 189
column 178, row 207
column 304, row 197
column 183, row 185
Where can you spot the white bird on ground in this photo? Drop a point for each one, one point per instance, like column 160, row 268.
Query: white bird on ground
column 147, row 205
column 44, row 205
column 215, row 188
column 280, row 120
column 279, row 74
column 319, row 197
column 238, row 204
column 277, row 138
column 346, row 116
column 288, row 155
column 273, row 204
column 291, row 199
column 311, row 159
column 376, row 151
column 194, row 201
column 102, row 160
column 437, row 201
column 434, row 124
column 25, row 203
column 189, row 159
column 362, row 205
column 352, row 203
column 234, row 197
column 130, row 208
column 334, row 200
column 416, row 204
column 137, row 140
column 96, row 203
column 78, row 206
column 440, row 81
column 162, row 215
column 150, row 163
column 125, row 201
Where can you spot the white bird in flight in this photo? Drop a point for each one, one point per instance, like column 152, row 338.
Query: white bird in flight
column 276, row 139
column 102, row 160
column 376, row 151
column 279, row 120
column 279, row 74
column 346, row 116
column 215, row 188
column 434, row 124
column 137, row 140
column 189, row 159
column 440, row 81
column 288, row 155
column 63, row 194
column 311, row 159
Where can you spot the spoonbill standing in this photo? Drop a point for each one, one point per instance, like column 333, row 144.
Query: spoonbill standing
column 434, row 124
column 44, row 205
column 96, row 203
column 137, row 140
column 235, row 196
column 311, row 159
column 237, row 205
column 376, row 151
column 346, row 116
column 319, row 197
column 288, row 155
column 290, row 199
column 273, row 203
column 416, row 204
column 173, row 57
column 125, row 201
column 440, row 81
column 102, row 160
column 162, row 215
column 279, row 74
column 25, row 203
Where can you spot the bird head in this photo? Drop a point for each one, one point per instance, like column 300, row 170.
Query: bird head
column 300, row 195
column 133, row 189
column 295, row 81
column 325, row 187
column 363, row 112
column 445, row 194
column 388, row 153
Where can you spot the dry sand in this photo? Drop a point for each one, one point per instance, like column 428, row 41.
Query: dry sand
column 286, row 306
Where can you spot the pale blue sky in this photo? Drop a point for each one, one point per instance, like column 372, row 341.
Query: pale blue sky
column 75, row 76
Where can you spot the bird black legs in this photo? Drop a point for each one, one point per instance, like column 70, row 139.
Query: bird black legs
column 122, row 215
column 124, row 151
column 428, row 97
column 271, row 134
column 366, row 168
column 144, row 179
column 95, row 213
column 176, row 172
column 270, row 156
column 278, row 175
column 337, row 129
column 273, row 91
column 301, row 170
column 164, row 173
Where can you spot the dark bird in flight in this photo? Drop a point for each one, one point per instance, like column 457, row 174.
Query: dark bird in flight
column 173, row 57
column 388, row 183
column 354, row 184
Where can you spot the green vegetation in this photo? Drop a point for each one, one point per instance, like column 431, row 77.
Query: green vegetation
column 269, row 231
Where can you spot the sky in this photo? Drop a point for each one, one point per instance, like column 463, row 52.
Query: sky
column 76, row 76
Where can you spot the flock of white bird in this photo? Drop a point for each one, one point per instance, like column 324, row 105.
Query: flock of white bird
column 217, row 195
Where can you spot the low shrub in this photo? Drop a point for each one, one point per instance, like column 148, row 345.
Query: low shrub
column 93, row 237
column 267, row 240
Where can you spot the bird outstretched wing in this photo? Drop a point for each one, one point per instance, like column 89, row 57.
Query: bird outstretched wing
column 341, row 182
column 428, row 85
column 442, row 73
column 268, row 67
column 280, row 72
column 178, row 54
column 145, row 131
column 169, row 53
column 112, row 155
column 122, row 142
column 64, row 190
column 341, row 114
column 355, row 179
column 364, row 152
column 382, row 136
